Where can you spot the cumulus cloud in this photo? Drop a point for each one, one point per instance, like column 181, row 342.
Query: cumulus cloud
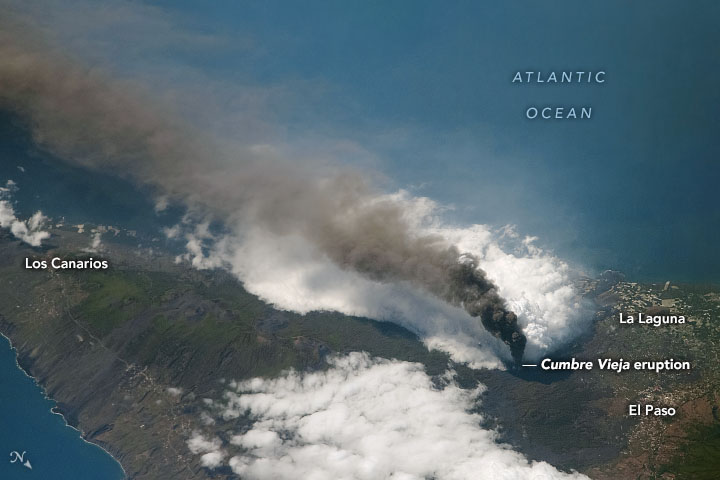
column 365, row 419
column 161, row 204
column 212, row 459
column 206, row 419
column 95, row 243
column 30, row 230
column 175, row 391
column 211, row 454
column 10, row 187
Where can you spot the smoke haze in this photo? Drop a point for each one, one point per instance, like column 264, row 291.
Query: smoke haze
column 312, row 236
column 84, row 117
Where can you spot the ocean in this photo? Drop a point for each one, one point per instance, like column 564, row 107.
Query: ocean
column 30, row 432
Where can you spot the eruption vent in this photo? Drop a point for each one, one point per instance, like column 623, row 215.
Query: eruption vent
column 478, row 296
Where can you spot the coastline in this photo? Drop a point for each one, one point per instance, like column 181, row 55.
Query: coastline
column 55, row 407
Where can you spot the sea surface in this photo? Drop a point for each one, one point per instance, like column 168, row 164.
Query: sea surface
column 610, row 218
column 27, row 426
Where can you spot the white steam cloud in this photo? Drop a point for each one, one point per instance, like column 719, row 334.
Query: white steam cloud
column 288, row 272
column 364, row 419
column 305, row 239
column 302, row 238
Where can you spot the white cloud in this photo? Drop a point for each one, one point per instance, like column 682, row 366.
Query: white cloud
column 210, row 449
column 212, row 459
column 537, row 286
column 36, row 221
column 161, row 204
column 95, row 243
column 175, row 391
column 288, row 272
column 206, row 419
column 365, row 419
column 200, row 444
column 262, row 182
column 172, row 232
column 198, row 242
column 29, row 231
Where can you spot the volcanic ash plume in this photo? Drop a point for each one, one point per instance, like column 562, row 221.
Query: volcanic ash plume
column 86, row 118
column 442, row 270
column 374, row 238
column 470, row 288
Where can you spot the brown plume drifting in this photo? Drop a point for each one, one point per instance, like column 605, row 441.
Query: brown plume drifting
column 83, row 116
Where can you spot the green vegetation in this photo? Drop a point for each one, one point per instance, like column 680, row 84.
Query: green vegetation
column 206, row 324
column 699, row 459
column 113, row 299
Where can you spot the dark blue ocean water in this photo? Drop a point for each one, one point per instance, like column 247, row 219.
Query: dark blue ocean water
column 54, row 450
column 428, row 91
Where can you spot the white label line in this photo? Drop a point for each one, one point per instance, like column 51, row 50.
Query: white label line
column 528, row 365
